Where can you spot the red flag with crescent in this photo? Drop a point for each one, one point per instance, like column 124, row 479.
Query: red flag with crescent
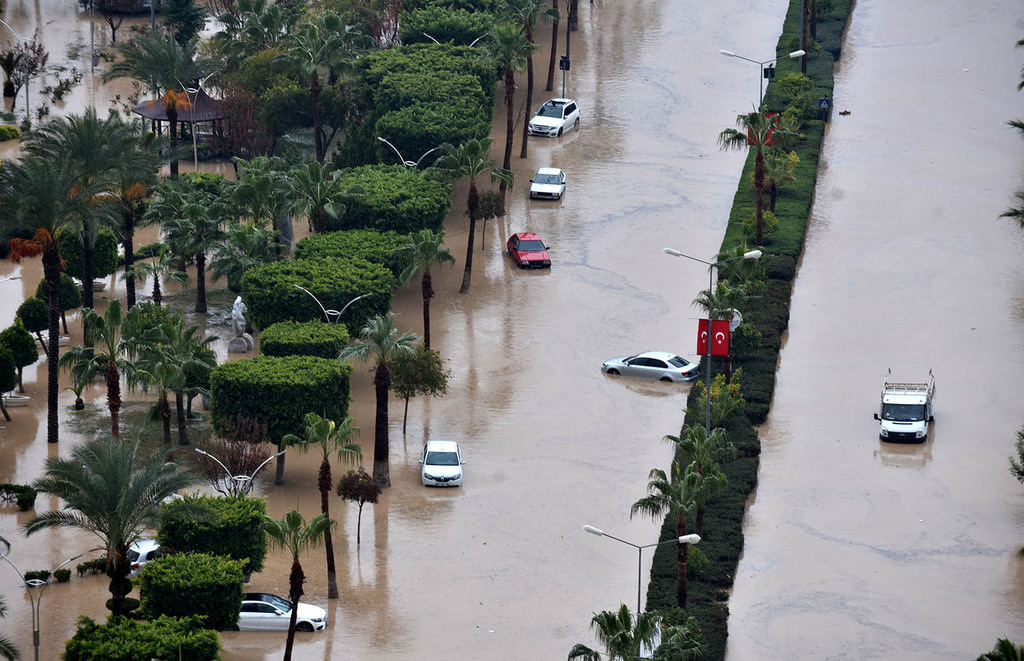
column 719, row 337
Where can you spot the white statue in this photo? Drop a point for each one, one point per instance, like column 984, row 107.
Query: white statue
column 238, row 317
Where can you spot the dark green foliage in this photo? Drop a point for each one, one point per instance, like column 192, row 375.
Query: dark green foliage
column 443, row 24
column 22, row 494
column 123, row 639
column 20, row 343
column 395, row 198
column 186, row 18
column 422, row 126
column 38, row 575
column 94, row 566
column 279, row 392
column 231, row 527
column 34, row 314
column 68, row 293
column 8, row 370
column 104, row 256
column 62, row 575
column 186, row 584
column 371, row 245
column 271, row 291
column 308, row 338
column 9, row 132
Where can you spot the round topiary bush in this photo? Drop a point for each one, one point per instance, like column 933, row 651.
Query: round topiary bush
column 187, row 584
column 309, row 338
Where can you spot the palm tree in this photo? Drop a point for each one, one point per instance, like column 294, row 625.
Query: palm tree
column 330, row 437
column 37, row 194
column 779, row 168
column 164, row 265
column 423, row 252
column 262, row 193
column 294, row 535
column 106, row 347
column 1005, row 650
column 706, row 452
column 111, row 491
column 316, row 193
column 527, row 12
column 675, row 496
column 509, row 48
column 625, row 638
column 244, row 246
column 379, row 342
column 1017, row 212
column 469, row 160
column 755, row 130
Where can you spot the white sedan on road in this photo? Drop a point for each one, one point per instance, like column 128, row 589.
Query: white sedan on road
column 268, row 612
column 659, row 365
column 547, row 184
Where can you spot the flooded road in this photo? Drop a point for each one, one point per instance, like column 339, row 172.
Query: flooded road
column 500, row 566
column 857, row 549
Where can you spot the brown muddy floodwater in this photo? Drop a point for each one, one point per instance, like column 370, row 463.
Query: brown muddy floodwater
column 858, row 549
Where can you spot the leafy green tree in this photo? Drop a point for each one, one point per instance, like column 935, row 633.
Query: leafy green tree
column 420, row 373
column 185, row 19
column 423, row 252
column 469, row 161
column 509, row 48
column 110, row 490
column 23, row 348
column 359, row 487
column 1005, row 650
column 626, row 638
column 330, row 438
column 262, row 193
column 33, row 314
column 68, row 293
column 527, row 13
column 380, row 343
column 779, row 169
column 294, row 535
column 244, row 246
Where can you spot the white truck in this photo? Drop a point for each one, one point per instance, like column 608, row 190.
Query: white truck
column 906, row 410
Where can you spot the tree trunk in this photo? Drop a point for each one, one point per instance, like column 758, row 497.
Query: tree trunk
column 759, row 199
column 510, row 101
column 120, row 585
column 165, row 416
column 682, row 556
column 529, row 91
column 88, row 297
column 554, row 52
column 128, row 245
column 427, row 288
column 473, row 205
column 172, row 120
column 201, row 283
column 114, row 398
column 314, row 89
column 279, row 466
column 295, row 581
column 3, row 409
column 381, row 461
column 179, row 406
column 324, row 481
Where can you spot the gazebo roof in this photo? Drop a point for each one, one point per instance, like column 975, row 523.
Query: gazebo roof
column 204, row 109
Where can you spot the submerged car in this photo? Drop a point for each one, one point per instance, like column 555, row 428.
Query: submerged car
column 659, row 365
column 528, row 251
column 554, row 117
column 547, row 184
column 441, row 464
column 268, row 612
column 141, row 552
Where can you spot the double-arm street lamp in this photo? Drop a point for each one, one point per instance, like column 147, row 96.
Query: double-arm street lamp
column 685, row 539
column 32, row 584
column 332, row 316
column 753, row 254
column 409, row 164
column 771, row 70
column 239, row 485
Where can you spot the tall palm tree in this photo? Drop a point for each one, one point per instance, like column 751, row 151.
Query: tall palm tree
column 779, row 169
column 526, row 12
column 262, row 193
column 107, row 348
column 674, row 495
column 626, row 638
column 754, row 130
column 469, row 160
column 316, row 193
column 706, row 452
column 244, row 246
column 422, row 253
column 111, row 491
column 163, row 266
column 36, row 194
column 1005, row 650
column 379, row 342
column 330, row 438
column 509, row 48
column 294, row 535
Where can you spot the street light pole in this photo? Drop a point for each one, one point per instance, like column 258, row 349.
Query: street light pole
column 760, row 90
column 685, row 539
column 30, row 585
column 240, row 484
column 332, row 316
column 408, row 164
column 752, row 254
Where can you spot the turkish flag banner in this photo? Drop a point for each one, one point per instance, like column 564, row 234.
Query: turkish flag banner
column 719, row 339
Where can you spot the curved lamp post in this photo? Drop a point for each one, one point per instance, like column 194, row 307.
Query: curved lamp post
column 752, row 254
column 241, row 485
column 194, row 91
column 408, row 164
column 31, row 584
column 685, row 539
column 760, row 91
column 332, row 316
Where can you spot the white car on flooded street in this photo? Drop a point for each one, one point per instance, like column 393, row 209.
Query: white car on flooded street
column 547, row 184
column 660, row 365
column 441, row 464
column 262, row 611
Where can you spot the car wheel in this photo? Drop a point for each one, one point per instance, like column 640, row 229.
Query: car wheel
column 235, row 627
column 665, row 379
column 613, row 371
column 559, row 132
column 304, row 627
column 576, row 124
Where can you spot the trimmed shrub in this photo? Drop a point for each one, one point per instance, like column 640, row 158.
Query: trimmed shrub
column 444, row 24
column 38, row 575
column 63, row 575
column 308, row 338
column 22, row 494
column 395, row 198
column 94, row 566
column 123, row 639
column 231, row 527
column 68, row 293
column 187, row 584
column 278, row 392
column 21, row 344
column 104, row 256
column 271, row 292
column 34, row 314
column 371, row 245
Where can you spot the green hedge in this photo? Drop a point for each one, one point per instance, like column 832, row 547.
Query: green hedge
column 443, row 24
column 271, row 292
column 371, row 245
column 232, row 527
column 395, row 198
column 279, row 392
column 22, row 494
column 187, row 584
column 162, row 639
column 308, row 338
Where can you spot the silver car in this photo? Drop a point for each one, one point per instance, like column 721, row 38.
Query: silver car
column 268, row 612
column 659, row 365
column 554, row 118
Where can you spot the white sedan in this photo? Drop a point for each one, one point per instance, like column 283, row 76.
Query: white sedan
column 268, row 612
column 659, row 365
column 547, row 184
column 441, row 464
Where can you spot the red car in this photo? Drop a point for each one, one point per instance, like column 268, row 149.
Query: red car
column 528, row 251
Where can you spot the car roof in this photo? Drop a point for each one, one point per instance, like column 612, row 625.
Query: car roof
column 145, row 544
column 259, row 596
column 442, row 446
column 560, row 101
column 527, row 235
column 548, row 171
column 664, row 355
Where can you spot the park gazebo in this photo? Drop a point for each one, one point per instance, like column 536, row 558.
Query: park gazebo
column 201, row 108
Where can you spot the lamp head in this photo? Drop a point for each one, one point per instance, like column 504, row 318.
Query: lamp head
column 797, row 53
column 690, row 539
column 593, row 531
column 727, row 53
column 753, row 254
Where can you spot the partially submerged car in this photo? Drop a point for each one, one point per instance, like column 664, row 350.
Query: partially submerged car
column 528, row 251
column 547, row 184
column 554, row 117
column 660, row 365
column 262, row 611
column 441, row 464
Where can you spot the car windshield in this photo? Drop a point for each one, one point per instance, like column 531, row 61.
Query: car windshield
column 437, row 458
column 550, row 110
column 281, row 604
column 133, row 555
column 903, row 412
column 678, row 362
column 532, row 245
column 552, row 179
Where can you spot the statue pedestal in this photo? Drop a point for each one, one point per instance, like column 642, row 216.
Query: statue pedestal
column 241, row 344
